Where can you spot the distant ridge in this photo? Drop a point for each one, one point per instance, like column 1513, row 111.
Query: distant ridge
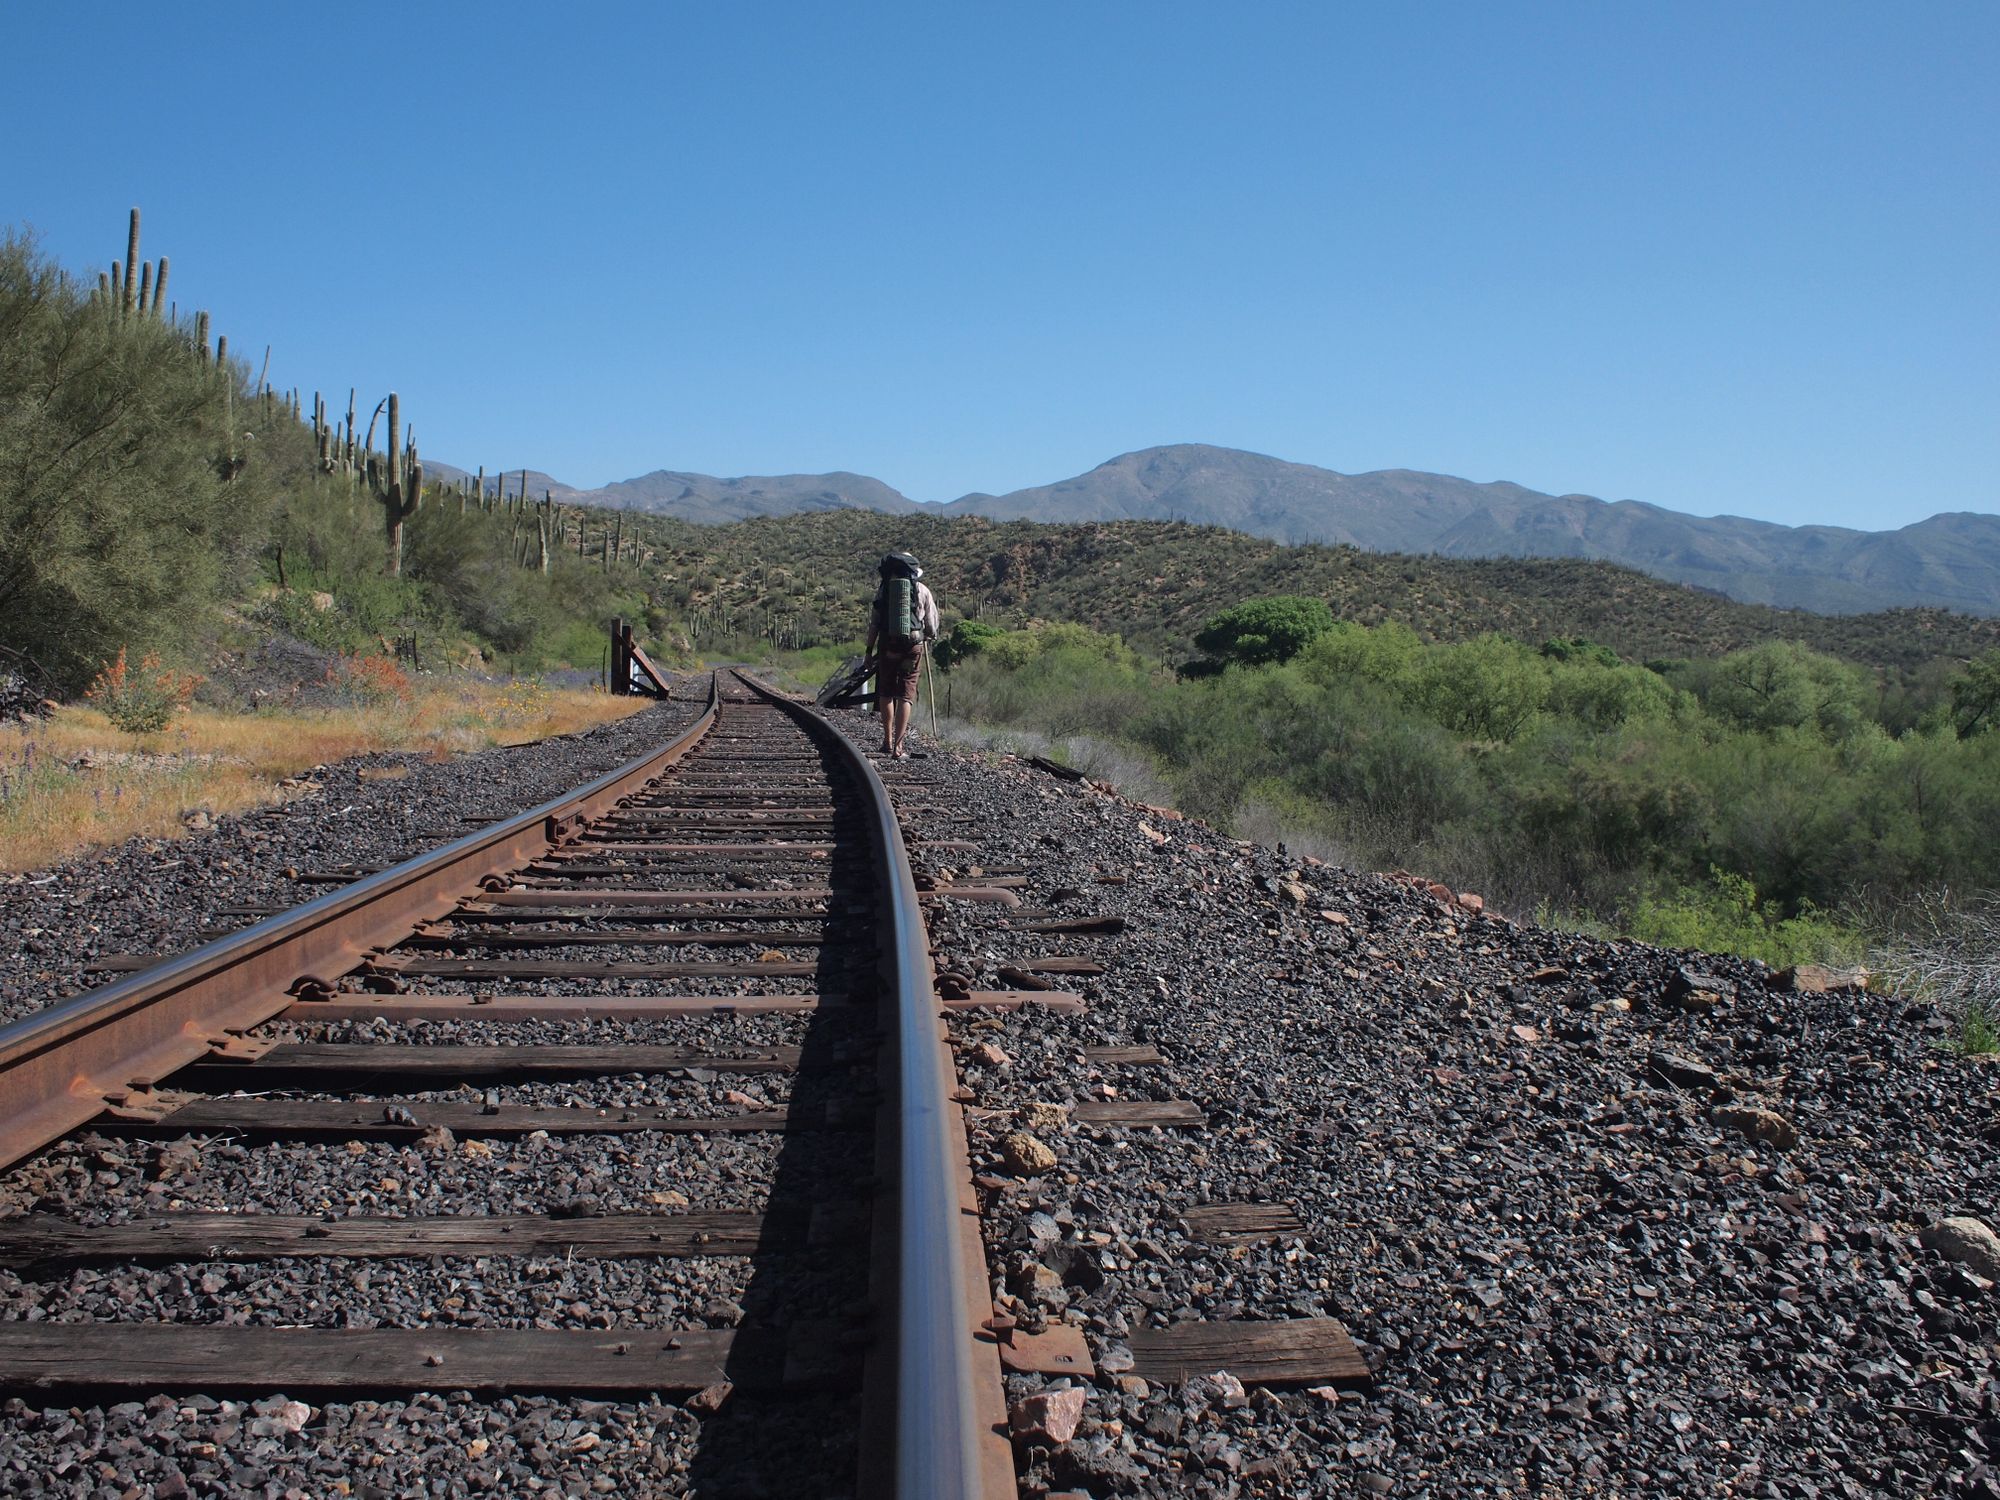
column 1950, row 561
column 711, row 501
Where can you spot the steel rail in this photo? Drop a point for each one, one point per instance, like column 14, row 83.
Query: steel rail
column 60, row 1067
column 943, row 1449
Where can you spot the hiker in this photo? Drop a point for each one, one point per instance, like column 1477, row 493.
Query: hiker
column 902, row 621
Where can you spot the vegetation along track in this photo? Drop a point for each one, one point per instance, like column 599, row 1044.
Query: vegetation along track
column 339, row 1217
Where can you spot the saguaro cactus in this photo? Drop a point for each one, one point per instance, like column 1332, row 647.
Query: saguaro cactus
column 131, row 287
column 160, row 287
column 398, row 484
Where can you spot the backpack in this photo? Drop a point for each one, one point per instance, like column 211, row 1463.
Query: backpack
column 900, row 626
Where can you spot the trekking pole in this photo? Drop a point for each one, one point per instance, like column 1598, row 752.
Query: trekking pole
column 930, row 689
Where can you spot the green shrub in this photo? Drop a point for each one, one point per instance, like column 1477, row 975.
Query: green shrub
column 964, row 641
column 1726, row 916
column 1259, row 632
column 128, row 497
column 1782, row 685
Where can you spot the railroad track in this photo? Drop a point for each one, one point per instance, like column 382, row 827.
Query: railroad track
column 670, row 1029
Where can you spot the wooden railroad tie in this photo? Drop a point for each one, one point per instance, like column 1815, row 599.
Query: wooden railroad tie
column 1232, row 1224
column 344, row 1120
column 1294, row 1351
column 43, row 1244
column 333, row 1362
column 322, row 1065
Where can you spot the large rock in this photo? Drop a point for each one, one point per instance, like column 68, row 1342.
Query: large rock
column 1695, row 992
column 1969, row 1241
column 1764, row 1126
column 1037, row 1285
column 1049, row 1417
column 1817, row 979
column 1025, row 1156
column 1683, row 1072
column 1045, row 1118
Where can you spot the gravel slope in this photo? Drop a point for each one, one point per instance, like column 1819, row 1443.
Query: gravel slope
column 153, row 896
column 1571, row 1277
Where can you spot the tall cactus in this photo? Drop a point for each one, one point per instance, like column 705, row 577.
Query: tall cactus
column 130, row 289
column 398, row 484
column 201, row 333
column 160, row 287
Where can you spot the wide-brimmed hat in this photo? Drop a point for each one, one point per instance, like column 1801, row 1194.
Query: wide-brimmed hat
column 904, row 561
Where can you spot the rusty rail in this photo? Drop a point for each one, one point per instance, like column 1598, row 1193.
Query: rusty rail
column 64, row 1066
column 950, row 1407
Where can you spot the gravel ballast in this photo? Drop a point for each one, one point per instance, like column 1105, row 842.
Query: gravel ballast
column 154, row 896
column 1537, row 1176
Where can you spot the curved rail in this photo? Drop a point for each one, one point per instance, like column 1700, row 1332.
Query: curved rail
column 943, row 1449
column 60, row 1067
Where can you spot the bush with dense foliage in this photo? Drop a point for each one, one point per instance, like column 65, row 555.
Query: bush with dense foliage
column 1729, row 803
column 1259, row 632
column 130, row 496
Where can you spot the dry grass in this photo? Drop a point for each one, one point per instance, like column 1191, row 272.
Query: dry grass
column 73, row 782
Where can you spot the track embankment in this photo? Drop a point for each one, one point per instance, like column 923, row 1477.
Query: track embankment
column 1599, row 1219
column 1598, row 1231
column 76, row 926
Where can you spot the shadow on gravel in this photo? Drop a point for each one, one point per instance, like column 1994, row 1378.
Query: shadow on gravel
column 805, row 1301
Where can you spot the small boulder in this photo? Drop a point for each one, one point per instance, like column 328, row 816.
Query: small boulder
column 1762, row 1125
column 1221, row 1390
column 990, row 1055
column 1025, row 1156
column 1294, row 892
column 1037, row 1285
column 1046, row 1118
column 281, row 1415
column 1048, row 1417
column 1969, row 1241
column 711, row 1398
column 1695, row 993
column 1117, row 1360
column 1683, row 1072
column 1472, row 901
column 1817, row 979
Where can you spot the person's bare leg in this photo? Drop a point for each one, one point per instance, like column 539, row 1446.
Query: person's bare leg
column 887, row 705
column 899, row 724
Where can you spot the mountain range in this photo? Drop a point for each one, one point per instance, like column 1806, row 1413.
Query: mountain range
column 1950, row 560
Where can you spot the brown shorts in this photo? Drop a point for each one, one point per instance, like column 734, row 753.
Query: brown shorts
column 896, row 675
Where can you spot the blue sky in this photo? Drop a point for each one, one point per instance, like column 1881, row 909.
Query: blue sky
column 1724, row 258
